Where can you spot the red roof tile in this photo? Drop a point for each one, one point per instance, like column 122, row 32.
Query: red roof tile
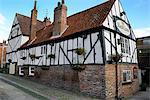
column 85, row 20
column 24, row 23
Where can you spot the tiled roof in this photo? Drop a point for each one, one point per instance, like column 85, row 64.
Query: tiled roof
column 79, row 22
column 24, row 23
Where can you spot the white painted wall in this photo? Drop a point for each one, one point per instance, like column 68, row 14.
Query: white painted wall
column 115, row 11
column 69, row 47
column 15, row 41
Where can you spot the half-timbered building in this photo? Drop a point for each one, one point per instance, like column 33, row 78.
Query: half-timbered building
column 93, row 51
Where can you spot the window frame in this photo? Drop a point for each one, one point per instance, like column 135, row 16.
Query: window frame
column 128, row 76
column 125, row 45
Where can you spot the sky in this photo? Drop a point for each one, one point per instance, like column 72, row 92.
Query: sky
column 137, row 11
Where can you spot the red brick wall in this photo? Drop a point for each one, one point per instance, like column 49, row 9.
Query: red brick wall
column 124, row 89
column 4, row 55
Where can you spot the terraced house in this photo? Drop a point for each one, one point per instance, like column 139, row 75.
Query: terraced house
column 93, row 51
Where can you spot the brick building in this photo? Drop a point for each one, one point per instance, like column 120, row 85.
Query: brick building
column 93, row 51
column 3, row 47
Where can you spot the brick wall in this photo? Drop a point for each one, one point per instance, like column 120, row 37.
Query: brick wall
column 92, row 81
column 95, row 80
column 124, row 89
column 4, row 55
column 58, row 76
column 89, row 81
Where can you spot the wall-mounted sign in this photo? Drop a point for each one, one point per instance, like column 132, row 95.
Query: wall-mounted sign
column 123, row 27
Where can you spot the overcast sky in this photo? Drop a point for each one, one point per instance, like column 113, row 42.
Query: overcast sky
column 138, row 12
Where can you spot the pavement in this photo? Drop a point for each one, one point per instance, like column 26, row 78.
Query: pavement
column 41, row 92
column 141, row 95
column 9, row 92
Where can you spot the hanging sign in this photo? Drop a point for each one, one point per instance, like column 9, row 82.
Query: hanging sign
column 122, row 27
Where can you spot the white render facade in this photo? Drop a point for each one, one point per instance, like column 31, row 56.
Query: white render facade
column 16, row 40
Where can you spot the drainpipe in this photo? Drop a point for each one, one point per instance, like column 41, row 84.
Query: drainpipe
column 116, row 62
column 116, row 69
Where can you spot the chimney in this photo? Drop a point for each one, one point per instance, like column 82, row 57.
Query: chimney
column 47, row 21
column 60, row 18
column 33, row 23
column 4, row 42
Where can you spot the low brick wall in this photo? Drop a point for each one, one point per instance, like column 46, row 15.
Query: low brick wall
column 124, row 89
column 89, row 81
column 95, row 80
column 92, row 81
column 58, row 76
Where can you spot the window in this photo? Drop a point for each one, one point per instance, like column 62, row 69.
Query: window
column 126, row 76
column 125, row 46
column 43, row 50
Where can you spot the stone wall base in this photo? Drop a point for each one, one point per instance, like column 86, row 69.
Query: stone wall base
column 94, row 80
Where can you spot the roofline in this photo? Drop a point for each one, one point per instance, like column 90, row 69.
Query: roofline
column 143, row 37
column 28, row 17
column 75, row 13
column 88, row 9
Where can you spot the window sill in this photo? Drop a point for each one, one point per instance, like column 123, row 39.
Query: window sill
column 126, row 83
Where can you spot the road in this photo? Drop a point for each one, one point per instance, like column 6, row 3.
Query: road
column 8, row 92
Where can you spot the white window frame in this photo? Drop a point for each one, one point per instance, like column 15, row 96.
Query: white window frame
column 128, row 76
column 125, row 45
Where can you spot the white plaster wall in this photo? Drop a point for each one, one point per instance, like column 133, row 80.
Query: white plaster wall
column 24, row 39
column 115, row 11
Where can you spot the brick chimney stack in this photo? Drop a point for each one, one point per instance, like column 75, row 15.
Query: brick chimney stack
column 33, row 23
column 47, row 21
column 60, row 18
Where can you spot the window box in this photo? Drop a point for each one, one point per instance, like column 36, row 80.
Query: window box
column 9, row 60
column 78, row 68
column 23, row 58
column 33, row 56
column 115, row 57
column 80, row 51
column 51, row 56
